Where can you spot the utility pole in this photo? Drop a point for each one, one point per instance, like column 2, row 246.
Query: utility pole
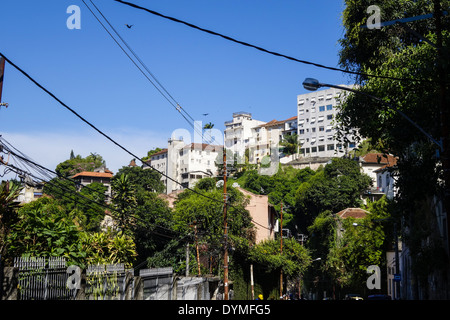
column 196, row 248
column 281, row 249
column 225, row 227
column 251, row 281
column 2, row 73
column 187, row 259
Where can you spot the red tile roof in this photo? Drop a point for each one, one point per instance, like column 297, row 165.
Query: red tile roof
column 352, row 213
column 159, row 152
column 380, row 158
column 107, row 174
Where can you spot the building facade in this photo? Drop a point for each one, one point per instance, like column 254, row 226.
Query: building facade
column 267, row 136
column 183, row 164
column 316, row 112
column 238, row 132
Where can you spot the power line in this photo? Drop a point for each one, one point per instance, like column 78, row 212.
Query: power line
column 57, row 190
column 260, row 48
column 161, row 89
column 102, row 133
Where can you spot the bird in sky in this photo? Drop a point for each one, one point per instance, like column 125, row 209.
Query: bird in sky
column 205, row 114
column 129, row 26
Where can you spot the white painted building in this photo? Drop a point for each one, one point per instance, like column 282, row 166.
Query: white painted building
column 238, row 132
column 316, row 112
column 265, row 137
column 184, row 164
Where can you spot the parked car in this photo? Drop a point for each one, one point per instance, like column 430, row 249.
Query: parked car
column 353, row 296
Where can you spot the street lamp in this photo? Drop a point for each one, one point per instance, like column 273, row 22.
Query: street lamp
column 312, row 84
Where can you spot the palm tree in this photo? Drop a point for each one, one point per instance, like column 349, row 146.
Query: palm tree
column 290, row 144
column 124, row 199
column 208, row 126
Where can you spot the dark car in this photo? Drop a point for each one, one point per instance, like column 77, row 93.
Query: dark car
column 353, row 296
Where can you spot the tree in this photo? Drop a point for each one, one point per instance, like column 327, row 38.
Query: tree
column 108, row 248
column 87, row 206
column 9, row 191
column 46, row 229
column 364, row 50
column 124, row 201
column 206, row 212
column 150, row 153
column 338, row 186
column 420, row 176
column 78, row 164
column 144, row 180
column 290, row 144
column 293, row 261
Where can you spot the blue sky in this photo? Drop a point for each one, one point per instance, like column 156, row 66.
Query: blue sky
column 205, row 74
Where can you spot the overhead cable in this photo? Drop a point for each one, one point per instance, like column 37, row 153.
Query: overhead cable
column 155, row 82
column 260, row 48
column 145, row 164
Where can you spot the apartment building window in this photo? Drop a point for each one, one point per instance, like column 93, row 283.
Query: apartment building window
column 321, row 128
column 329, row 117
column 314, row 149
column 313, row 109
column 321, row 108
column 330, row 147
column 329, row 107
column 313, row 129
column 321, row 148
column 301, row 111
column 302, row 131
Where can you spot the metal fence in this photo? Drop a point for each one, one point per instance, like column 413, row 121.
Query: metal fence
column 43, row 279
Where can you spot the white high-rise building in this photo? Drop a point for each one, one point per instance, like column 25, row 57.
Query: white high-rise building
column 239, row 131
column 316, row 113
column 185, row 164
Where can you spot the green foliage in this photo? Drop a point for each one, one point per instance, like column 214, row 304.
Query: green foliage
column 150, row 153
column 143, row 180
column 336, row 187
column 290, row 144
column 78, row 164
column 293, row 261
column 367, row 49
column 207, row 213
column 9, row 191
column 87, row 207
column 108, row 248
column 393, row 52
column 45, row 229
